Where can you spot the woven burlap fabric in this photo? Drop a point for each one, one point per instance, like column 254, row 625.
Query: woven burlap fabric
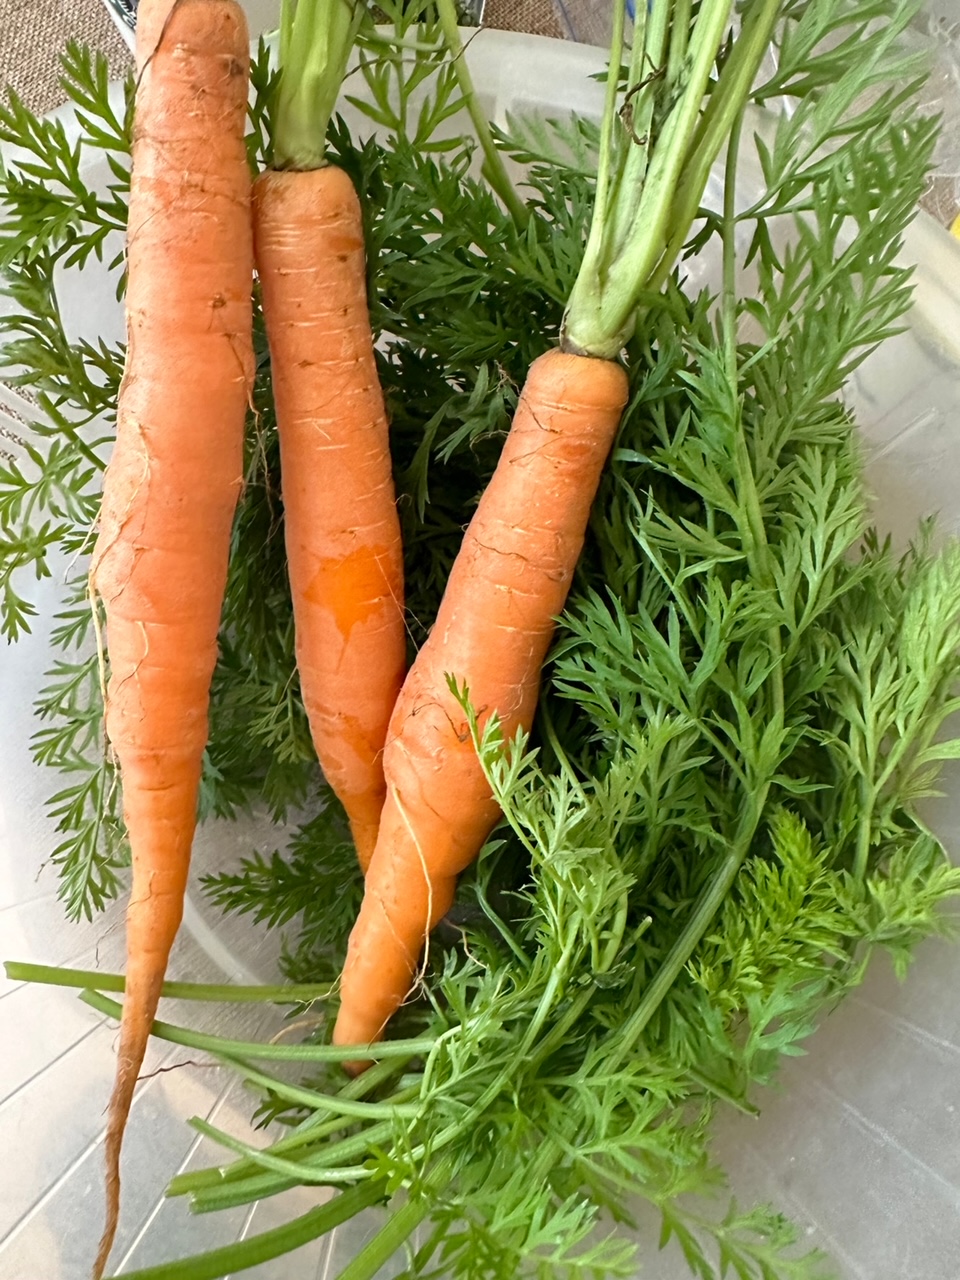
column 536, row 16
column 33, row 32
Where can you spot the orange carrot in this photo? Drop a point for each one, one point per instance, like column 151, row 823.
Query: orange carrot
column 151, row 19
column 342, row 531
column 493, row 630
column 160, row 562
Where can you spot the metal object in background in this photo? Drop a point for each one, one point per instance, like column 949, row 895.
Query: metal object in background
column 470, row 12
column 124, row 14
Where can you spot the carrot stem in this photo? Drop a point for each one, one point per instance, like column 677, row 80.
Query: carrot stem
column 755, row 534
column 703, row 912
column 269, row 1244
column 401, row 1225
column 224, row 993
column 726, row 101
column 679, row 39
column 315, row 1127
column 608, row 129
column 729, row 301
column 297, row 1170
column 617, row 266
column 256, row 1184
column 494, row 169
column 636, row 117
column 651, row 195
column 335, row 1103
column 378, row 1251
column 316, row 37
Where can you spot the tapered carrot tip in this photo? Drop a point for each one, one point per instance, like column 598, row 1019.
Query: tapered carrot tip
column 170, row 491
column 140, row 1005
column 400, row 907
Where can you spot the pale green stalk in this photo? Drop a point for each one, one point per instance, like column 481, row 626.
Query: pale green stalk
column 316, row 37
column 608, row 136
column 494, row 170
column 255, row 1184
column 315, row 1127
column 726, row 102
column 637, row 115
column 703, row 913
column 269, row 1244
column 755, row 534
column 236, row 1049
column 679, row 39
column 400, row 1226
column 293, row 1170
column 335, row 1103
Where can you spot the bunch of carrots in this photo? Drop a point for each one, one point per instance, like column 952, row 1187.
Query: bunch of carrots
column 396, row 746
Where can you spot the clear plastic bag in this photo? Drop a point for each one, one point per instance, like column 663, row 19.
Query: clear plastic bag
column 938, row 26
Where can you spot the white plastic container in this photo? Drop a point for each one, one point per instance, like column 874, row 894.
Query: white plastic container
column 861, row 1143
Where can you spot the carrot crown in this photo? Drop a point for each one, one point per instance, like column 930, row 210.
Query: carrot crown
column 316, row 37
column 686, row 83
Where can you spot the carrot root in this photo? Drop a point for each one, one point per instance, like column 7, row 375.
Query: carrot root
column 342, row 530
column 493, row 630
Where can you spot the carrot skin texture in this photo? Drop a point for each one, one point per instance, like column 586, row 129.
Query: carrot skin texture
column 152, row 16
column 342, row 531
column 160, row 561
column 493, row 629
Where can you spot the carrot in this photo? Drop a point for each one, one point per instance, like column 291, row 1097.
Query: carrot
column 493, row 629
column 160, row 561
column 342, row 531
column 512, row 573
